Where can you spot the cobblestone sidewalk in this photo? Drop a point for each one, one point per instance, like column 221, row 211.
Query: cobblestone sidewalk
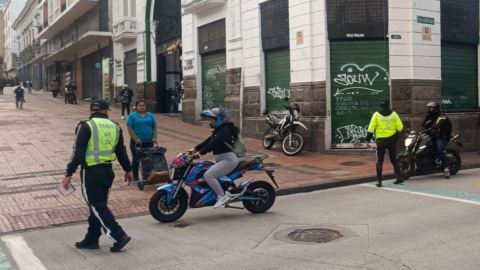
column 36, row 144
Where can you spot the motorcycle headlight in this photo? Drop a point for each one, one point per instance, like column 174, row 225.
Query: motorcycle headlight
column 408, row 141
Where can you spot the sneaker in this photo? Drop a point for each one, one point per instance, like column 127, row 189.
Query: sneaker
column 123, row 117
column 86, row 245
column 221, row 200
column 447, row 174
column 120, row 243
column 399, row 181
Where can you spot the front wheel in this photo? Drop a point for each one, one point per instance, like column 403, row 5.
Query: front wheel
column 266, row 194
column 163, row 212
column 406, row 168
column 454, row 161
column 293, row 147
column 268, row 139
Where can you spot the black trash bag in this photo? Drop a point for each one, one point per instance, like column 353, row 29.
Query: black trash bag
column 152, row 159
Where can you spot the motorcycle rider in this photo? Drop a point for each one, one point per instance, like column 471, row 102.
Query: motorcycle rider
column 226, row 160
column 386, row 125
column 439, row 127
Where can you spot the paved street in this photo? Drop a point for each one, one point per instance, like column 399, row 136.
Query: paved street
column 35, row 145
column 429, row 223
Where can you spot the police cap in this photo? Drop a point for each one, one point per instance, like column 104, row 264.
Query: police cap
column 99, row 105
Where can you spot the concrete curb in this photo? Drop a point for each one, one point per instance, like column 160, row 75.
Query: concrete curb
column 349, row 182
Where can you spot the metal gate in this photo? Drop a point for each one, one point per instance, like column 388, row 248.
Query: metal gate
column 213, row 79
column 277, row 69
column 130, row 76
column 459, row 76
column 360, row 81
column 92, row 76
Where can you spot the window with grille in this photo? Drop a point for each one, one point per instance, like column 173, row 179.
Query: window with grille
column 357, row 18
column 460, row 20
column 275, row 24
column 212, row 37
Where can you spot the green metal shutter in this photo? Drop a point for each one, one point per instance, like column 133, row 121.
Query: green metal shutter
column 213, row 80
column 277, row 67
column 360, row 81
column 459, row 76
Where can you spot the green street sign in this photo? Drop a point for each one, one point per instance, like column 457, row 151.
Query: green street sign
column 425, row 20
column 396, row 37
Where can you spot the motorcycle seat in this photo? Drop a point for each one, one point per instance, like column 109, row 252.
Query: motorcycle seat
column 275, row 119
column 243, row 165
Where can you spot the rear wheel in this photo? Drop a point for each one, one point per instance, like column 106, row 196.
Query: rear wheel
column 164, row 212
column 454, row 161
column 266, row 194
column 294, row 147
column 268, row 140
column 406, row 168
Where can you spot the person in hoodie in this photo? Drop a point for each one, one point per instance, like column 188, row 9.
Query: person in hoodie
column 386, row 125
column 224, row 132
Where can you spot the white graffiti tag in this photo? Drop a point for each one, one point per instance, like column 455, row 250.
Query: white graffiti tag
column 278, row 92
column 211, row 74
column 208, row 101
column 351, row 133
column 358, row 79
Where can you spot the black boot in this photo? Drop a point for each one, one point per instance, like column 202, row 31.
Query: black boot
column 120, row 243
column 379, row 175
column 399, row 181
column 397, row 172
column 84, row 244
column 379, row 183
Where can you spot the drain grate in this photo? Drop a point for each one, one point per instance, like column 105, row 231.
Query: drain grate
column 314, row 235
column 352, row 163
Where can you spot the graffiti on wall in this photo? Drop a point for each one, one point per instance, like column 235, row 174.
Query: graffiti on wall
column 357, row 79
column 351, row 133
column 279, row 93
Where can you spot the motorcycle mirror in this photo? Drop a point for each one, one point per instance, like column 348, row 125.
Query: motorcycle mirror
column 265, row 112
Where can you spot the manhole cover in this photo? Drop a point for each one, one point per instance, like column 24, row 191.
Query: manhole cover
column 314, row 235
column 352, row 163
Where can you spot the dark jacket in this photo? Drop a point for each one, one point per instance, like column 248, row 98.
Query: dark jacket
column 128, row 92
column 80, row 148
column 224, row 133
column 439, row 126
column 19, row 92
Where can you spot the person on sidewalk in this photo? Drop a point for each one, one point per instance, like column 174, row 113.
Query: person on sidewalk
column 438, row 125
column 19, row 92
column 226, row 160
column 99, row 141
column 386, row 125
column 178, row 96
column 126, row 98
column 2, row 85
column 142, row 128
column 29, row 85
column 55, row 87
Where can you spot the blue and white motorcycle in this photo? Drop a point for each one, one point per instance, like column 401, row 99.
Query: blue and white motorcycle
column 170, row 202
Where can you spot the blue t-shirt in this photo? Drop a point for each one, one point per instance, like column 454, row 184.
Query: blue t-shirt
column 142, row 126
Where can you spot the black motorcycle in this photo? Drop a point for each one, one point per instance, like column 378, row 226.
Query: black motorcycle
column 284, row 130
column 421, row 152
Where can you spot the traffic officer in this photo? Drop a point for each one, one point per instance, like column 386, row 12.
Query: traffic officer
column 98, row 142
column 386, row 125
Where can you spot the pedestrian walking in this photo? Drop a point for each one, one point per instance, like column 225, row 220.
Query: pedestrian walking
column 19, row 92
column 99, row 141
column 2, row 85
column 29, row 85
column 386, row 125
column 178, row 95
column 55, row 87
column 142, row 128
column 126, row 98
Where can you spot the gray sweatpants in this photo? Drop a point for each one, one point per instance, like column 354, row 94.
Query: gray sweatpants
column 225, row 163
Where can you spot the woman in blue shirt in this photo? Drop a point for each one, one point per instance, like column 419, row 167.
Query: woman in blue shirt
column 142, row 128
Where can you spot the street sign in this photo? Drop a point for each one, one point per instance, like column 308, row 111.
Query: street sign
column 425, row 20
column 98, row 65
column 396, row 37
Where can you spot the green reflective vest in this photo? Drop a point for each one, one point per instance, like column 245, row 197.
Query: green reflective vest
column 102, row 143
column 385, row 126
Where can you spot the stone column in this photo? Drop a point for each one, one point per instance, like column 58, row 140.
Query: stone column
column 190, row 96
column 232, row 99
column 252, row 126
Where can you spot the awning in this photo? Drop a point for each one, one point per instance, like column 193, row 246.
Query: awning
column 69, row 51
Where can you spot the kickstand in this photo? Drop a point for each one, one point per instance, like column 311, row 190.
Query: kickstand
column 233, row 207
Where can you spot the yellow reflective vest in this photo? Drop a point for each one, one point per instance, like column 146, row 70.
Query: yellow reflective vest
column 102, row 143
column 385, row 126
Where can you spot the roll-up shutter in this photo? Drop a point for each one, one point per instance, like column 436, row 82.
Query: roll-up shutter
column 277, row 67
column 213, row 79
column 131, row 72
column 360, row 81
column 459, row 76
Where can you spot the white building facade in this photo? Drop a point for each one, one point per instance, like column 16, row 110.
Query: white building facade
column 336, row 59
column 12, row 45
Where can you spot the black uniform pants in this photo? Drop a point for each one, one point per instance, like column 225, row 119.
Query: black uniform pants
column 125, row 106
column 384, row 144
column 96, row 182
